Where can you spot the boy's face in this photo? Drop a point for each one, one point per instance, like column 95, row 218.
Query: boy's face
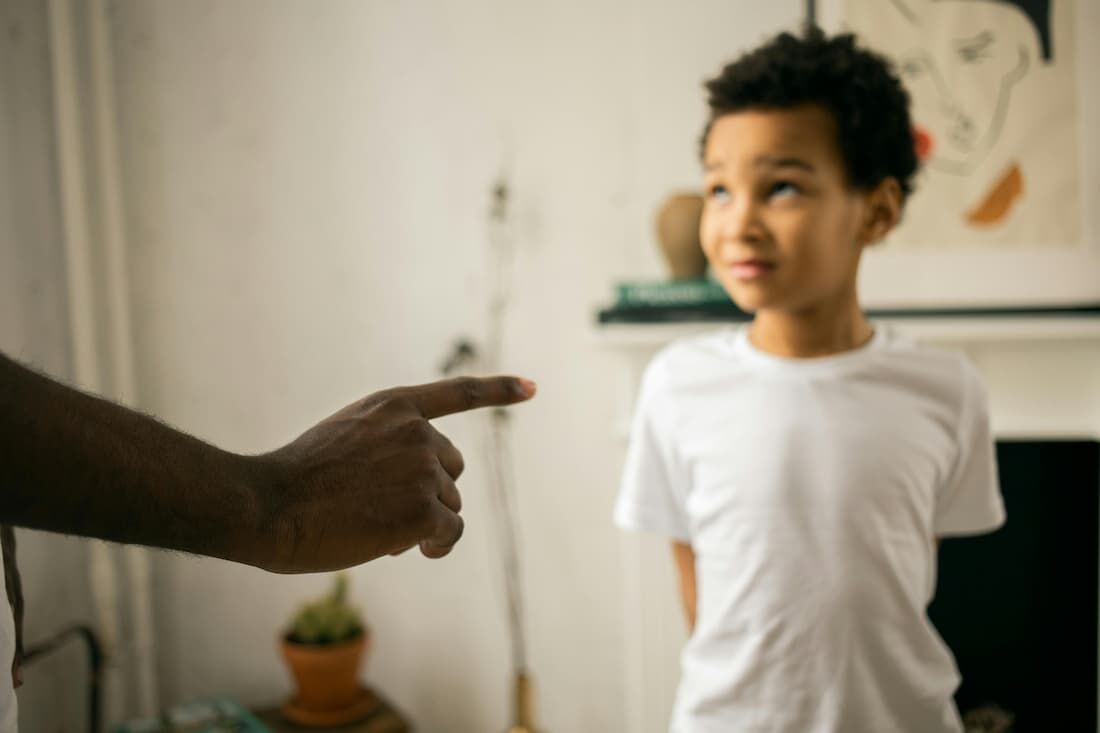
column 782, row 228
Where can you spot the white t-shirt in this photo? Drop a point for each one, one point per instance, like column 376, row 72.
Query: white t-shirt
column 9, row 712
column 812, row 492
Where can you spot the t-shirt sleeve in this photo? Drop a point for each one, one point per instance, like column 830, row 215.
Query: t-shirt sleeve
column 653, row 488
column 970, row 502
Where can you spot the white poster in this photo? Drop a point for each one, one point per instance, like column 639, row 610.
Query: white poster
column 1001, row 215
column 994, row 105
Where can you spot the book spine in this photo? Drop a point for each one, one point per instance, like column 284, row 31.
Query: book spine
column 670, row 293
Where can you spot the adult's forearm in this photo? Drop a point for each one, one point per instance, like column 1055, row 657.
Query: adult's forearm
column 372, row 479
column 77, row 464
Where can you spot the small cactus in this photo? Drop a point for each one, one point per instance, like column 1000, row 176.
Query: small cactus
column 329, row 620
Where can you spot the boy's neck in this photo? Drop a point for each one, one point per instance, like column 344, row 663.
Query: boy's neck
column 820, row 331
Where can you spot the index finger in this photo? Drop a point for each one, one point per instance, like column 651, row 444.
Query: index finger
column 468, row 393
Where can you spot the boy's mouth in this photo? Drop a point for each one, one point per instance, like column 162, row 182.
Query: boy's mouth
column 750, row 269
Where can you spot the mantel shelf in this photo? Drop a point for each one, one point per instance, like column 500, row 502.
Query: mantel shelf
column 944, row 330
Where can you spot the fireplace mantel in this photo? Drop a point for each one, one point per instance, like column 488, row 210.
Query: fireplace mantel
column 1043, row 372
column 953, row 330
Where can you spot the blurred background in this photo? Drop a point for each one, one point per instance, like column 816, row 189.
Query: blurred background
column 239, row 215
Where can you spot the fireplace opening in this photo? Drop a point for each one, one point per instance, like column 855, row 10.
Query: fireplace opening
column 1018, row 607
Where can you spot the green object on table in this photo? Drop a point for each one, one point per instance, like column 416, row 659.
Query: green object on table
column 215, row 715
column 700, row 291
column 671, row 301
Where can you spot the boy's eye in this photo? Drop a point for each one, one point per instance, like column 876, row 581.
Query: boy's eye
column 783, row 189
column 718, row 193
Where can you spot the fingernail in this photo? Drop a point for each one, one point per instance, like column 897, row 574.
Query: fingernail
column 529, row 387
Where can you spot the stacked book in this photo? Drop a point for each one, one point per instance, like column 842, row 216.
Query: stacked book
column 659, row 301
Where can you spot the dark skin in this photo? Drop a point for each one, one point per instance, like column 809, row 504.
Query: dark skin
column 375, row 478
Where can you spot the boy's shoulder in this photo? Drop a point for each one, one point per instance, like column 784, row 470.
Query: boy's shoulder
column 683, row 363
column 931, row 374
column 935, row 362
column 682, row 358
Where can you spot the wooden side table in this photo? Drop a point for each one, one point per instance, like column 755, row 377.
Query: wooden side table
column 384, row 719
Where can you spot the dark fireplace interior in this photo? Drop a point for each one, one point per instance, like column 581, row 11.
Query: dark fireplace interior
column 1018, row 607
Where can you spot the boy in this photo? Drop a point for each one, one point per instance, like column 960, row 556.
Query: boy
column 806, row 466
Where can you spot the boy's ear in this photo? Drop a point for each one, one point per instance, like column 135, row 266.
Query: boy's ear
column 883, row 211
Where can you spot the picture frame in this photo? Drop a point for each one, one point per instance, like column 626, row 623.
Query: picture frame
column 1005, row 215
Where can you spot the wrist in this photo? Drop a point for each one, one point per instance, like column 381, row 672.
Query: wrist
column 269, row 537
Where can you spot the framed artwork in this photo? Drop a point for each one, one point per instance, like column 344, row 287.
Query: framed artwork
column 1005, row 109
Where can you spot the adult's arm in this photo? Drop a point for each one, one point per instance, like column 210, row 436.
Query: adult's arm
column 373, row 479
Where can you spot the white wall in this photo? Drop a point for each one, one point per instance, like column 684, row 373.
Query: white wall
column 34, row 329
column 307, row 186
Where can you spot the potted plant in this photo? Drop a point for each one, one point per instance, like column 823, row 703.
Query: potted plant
column 324, row 647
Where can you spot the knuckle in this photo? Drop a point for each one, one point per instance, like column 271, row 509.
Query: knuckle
column 427, row 469
column 459, row 529
column 392, row 402
column 420, row 509
column 448, row 529
column 424, row 480
column 382, row 397
column 472, row 390
column 419, row 431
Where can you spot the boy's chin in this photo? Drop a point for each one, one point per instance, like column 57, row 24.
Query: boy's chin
column 753, row 297
column 748, row 300
column 746, row 306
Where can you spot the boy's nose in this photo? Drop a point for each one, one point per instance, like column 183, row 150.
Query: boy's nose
column 741, row 220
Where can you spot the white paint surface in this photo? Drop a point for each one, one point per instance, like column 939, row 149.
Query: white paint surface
column 306, row 186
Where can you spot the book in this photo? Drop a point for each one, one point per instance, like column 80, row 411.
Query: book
column 215, row 715
column 669, row 293
column 655, row 301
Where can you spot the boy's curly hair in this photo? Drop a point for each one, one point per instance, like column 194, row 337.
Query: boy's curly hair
column 859, row 87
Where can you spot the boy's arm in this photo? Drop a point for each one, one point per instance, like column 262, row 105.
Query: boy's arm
column 685, row 567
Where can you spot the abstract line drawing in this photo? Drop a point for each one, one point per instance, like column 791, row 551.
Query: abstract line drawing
column 991, row 81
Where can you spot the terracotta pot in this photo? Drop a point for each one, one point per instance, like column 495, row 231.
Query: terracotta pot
column 678, row 233
column 327, row 675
